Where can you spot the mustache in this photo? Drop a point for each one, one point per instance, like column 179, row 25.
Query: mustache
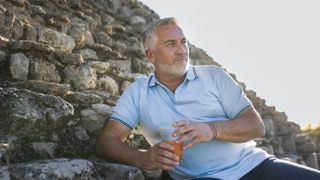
column 179, row 58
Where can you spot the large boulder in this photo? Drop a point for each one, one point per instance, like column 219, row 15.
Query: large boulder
column 64, row 168
column 28, row 117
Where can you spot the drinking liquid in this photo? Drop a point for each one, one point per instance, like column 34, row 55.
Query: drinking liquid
column 178, row 148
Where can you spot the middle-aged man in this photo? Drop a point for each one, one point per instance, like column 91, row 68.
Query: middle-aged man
column 212, row 116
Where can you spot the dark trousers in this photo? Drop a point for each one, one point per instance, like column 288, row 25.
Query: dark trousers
column 277, row 169
column 274, row 169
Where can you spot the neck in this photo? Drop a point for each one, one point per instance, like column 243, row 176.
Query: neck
column 171, row 82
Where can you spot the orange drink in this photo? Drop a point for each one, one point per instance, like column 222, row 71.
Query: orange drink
column 166, row 136
column 178, row 148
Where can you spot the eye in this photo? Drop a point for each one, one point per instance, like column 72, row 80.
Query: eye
column 184, row 41
column 169, row 43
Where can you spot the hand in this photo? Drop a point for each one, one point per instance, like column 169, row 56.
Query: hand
column 161, row 156
column 196, row 131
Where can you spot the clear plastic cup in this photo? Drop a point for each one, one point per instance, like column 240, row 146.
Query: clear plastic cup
column 166, row 136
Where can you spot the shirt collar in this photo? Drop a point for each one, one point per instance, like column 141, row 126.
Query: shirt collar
column 191, row 74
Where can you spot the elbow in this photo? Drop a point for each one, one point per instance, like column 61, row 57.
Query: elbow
column 260, row 130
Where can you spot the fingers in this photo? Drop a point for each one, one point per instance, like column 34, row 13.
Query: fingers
column 192, row 143
column 183, row 127
column 166, row 162
column 167, row 151
column 181, row 123
column 164, row 156
column 186, row 136
column 193, row 132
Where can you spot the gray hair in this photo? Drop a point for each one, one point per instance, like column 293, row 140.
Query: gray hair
column 149, row 36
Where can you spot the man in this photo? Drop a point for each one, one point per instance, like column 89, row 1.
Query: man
column 211, row 114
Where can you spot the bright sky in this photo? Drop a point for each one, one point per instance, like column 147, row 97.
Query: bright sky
column 272, row 46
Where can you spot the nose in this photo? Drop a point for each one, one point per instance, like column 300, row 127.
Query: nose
column 182, row 48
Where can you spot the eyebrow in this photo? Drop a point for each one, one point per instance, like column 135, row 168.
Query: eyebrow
column 172, row 40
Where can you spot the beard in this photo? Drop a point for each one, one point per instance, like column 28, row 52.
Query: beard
column 177, row 69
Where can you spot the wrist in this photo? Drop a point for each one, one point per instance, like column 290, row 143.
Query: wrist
column 139, row 160
column 214, row 130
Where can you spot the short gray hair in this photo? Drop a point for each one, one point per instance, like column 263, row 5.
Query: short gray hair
column 149, row 36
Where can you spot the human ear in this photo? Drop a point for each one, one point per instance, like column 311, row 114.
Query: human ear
column 150, row 55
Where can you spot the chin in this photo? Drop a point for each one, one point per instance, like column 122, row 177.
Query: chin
column 181, row 71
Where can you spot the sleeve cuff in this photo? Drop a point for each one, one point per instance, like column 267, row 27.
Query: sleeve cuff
column 243, row 109
column 122, row 122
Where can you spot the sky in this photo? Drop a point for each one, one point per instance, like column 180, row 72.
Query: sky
column 272, row 46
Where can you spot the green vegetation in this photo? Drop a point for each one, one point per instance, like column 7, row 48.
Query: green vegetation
column 315, row 132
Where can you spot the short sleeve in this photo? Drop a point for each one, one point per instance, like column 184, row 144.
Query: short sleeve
column 231, row 96
column 126, row 111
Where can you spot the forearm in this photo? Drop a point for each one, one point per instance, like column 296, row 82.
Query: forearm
column 247, row 127
column 110, row 147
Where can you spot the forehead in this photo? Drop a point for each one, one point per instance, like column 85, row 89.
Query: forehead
column 169, row 32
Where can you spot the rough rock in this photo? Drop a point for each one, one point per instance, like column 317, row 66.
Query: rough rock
column 28, row 45
column 88, row 54
column 99, row 67
column 24, row 108
column 74, row 169
column 56, row 39
column 268, row 123
column 81, row 77
column 19, row 66
column 11, row 27
column 44, row 87
column 2, row 56
column 43, row 70
column 312, row 161
column 82, row 55
column 81, row 35
column 108, row 84
column 70, row 58
column 92, row 120
column 83, row 98
column 3, row 41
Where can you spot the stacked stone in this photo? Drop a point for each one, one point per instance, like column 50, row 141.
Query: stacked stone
column 64, row 64
column 284, row 138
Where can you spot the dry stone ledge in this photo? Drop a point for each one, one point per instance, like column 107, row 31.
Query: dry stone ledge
column 83, row 98
column 57, row 89
column 69, row 58
column 64, row 168
column 28, row 45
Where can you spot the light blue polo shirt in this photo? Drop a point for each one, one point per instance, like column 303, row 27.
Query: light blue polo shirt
column 207, row 94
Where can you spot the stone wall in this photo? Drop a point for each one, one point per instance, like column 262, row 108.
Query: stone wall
column 64, row 64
